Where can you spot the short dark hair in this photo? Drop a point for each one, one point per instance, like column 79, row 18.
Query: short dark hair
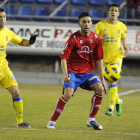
column 2, row 10
column 115, row 5
column 84, row 14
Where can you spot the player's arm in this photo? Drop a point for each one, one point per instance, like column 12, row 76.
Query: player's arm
column 99, row 64
column 65, row 72
column 123, row 41
column 26, row 42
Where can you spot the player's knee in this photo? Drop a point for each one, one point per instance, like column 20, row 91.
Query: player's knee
column 100, row 90
column 15, row 93
column 67, row 94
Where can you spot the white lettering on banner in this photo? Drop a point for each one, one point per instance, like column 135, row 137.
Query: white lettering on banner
column 53, row 39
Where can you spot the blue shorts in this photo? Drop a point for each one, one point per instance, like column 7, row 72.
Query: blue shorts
column 81, row 80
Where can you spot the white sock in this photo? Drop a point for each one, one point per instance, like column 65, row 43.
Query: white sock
column 91, row 119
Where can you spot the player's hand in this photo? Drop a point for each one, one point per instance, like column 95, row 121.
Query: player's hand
column 126, row 50
column 32, row 39
column 67, row 78
column 104, row 36
column 104, row 86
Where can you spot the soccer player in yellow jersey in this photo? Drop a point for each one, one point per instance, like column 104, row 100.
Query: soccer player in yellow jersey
column 7, row 79
column 112, row 33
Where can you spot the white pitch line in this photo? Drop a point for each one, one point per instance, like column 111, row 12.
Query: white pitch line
column 117, row 133
column 128, row 92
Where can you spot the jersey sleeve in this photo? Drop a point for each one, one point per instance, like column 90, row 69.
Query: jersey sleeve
column 98, row 52
column 14, row 38
column 124, row 31
column 67, row 49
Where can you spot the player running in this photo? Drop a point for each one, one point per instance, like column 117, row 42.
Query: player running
column 112, row 33
column 7, row 79
column 82, row 49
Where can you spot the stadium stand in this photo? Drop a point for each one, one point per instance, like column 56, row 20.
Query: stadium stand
column 13, row 1
column 97, row 2
column 110, row 2
column 75, row 12
column 45, row 1
column 9, row 9
column 80, row 2
column 25, row 10
column 72, row 9
column 27, row 1
column 96, row 13
column 61, row 12
column 42, row 11
column 60, row 1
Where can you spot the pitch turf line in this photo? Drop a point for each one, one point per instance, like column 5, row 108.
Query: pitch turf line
column 128, row 92
column 118, row 133
column 120, row 94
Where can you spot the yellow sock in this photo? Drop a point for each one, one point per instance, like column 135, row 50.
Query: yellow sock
column 113, row 93
column 117, row 99
column 18, row 105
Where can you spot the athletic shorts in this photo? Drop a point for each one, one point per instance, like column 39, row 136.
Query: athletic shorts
column 117, row 60
column 7, row 79
column 81, row 80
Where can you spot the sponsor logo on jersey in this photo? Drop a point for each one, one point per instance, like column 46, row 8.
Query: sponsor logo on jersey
column 105, row 29
column 85, row 49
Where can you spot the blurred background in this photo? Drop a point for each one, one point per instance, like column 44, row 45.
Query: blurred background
column 54, row 21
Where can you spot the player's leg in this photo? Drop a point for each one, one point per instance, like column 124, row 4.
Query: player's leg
column 9, row 82
column 113, row 90
column 69, row 89
column 92, row 82
column 95, row 105
column 60, row 105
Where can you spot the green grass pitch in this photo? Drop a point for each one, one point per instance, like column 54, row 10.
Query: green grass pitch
column 39, row 102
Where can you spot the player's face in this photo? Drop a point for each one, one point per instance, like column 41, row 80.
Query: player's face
column 2, row 19
column 85, row 24
column 113, row 12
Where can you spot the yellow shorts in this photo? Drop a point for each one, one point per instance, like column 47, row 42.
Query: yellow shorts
column 117, row 60
column 7, row 79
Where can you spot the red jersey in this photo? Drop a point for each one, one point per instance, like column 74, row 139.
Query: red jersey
column 81, row 52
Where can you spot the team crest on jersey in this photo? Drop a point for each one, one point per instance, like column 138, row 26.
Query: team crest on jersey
column 91, row 41
column 6, row 38
column 119, row 32
column 81, row 41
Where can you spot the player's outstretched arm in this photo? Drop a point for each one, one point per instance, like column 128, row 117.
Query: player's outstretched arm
column 99, row 65
column 26, row 42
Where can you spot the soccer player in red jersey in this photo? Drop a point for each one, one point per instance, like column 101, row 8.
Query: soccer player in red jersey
column 82, row 50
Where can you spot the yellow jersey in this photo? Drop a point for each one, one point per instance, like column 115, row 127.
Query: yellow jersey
column 112, row 44
column 6, row 36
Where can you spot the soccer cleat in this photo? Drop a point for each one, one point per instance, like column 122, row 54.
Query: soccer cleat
column 23, row 125
column 95, row 125
column 119, row 108
column 50, row 125
column 109, row 112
